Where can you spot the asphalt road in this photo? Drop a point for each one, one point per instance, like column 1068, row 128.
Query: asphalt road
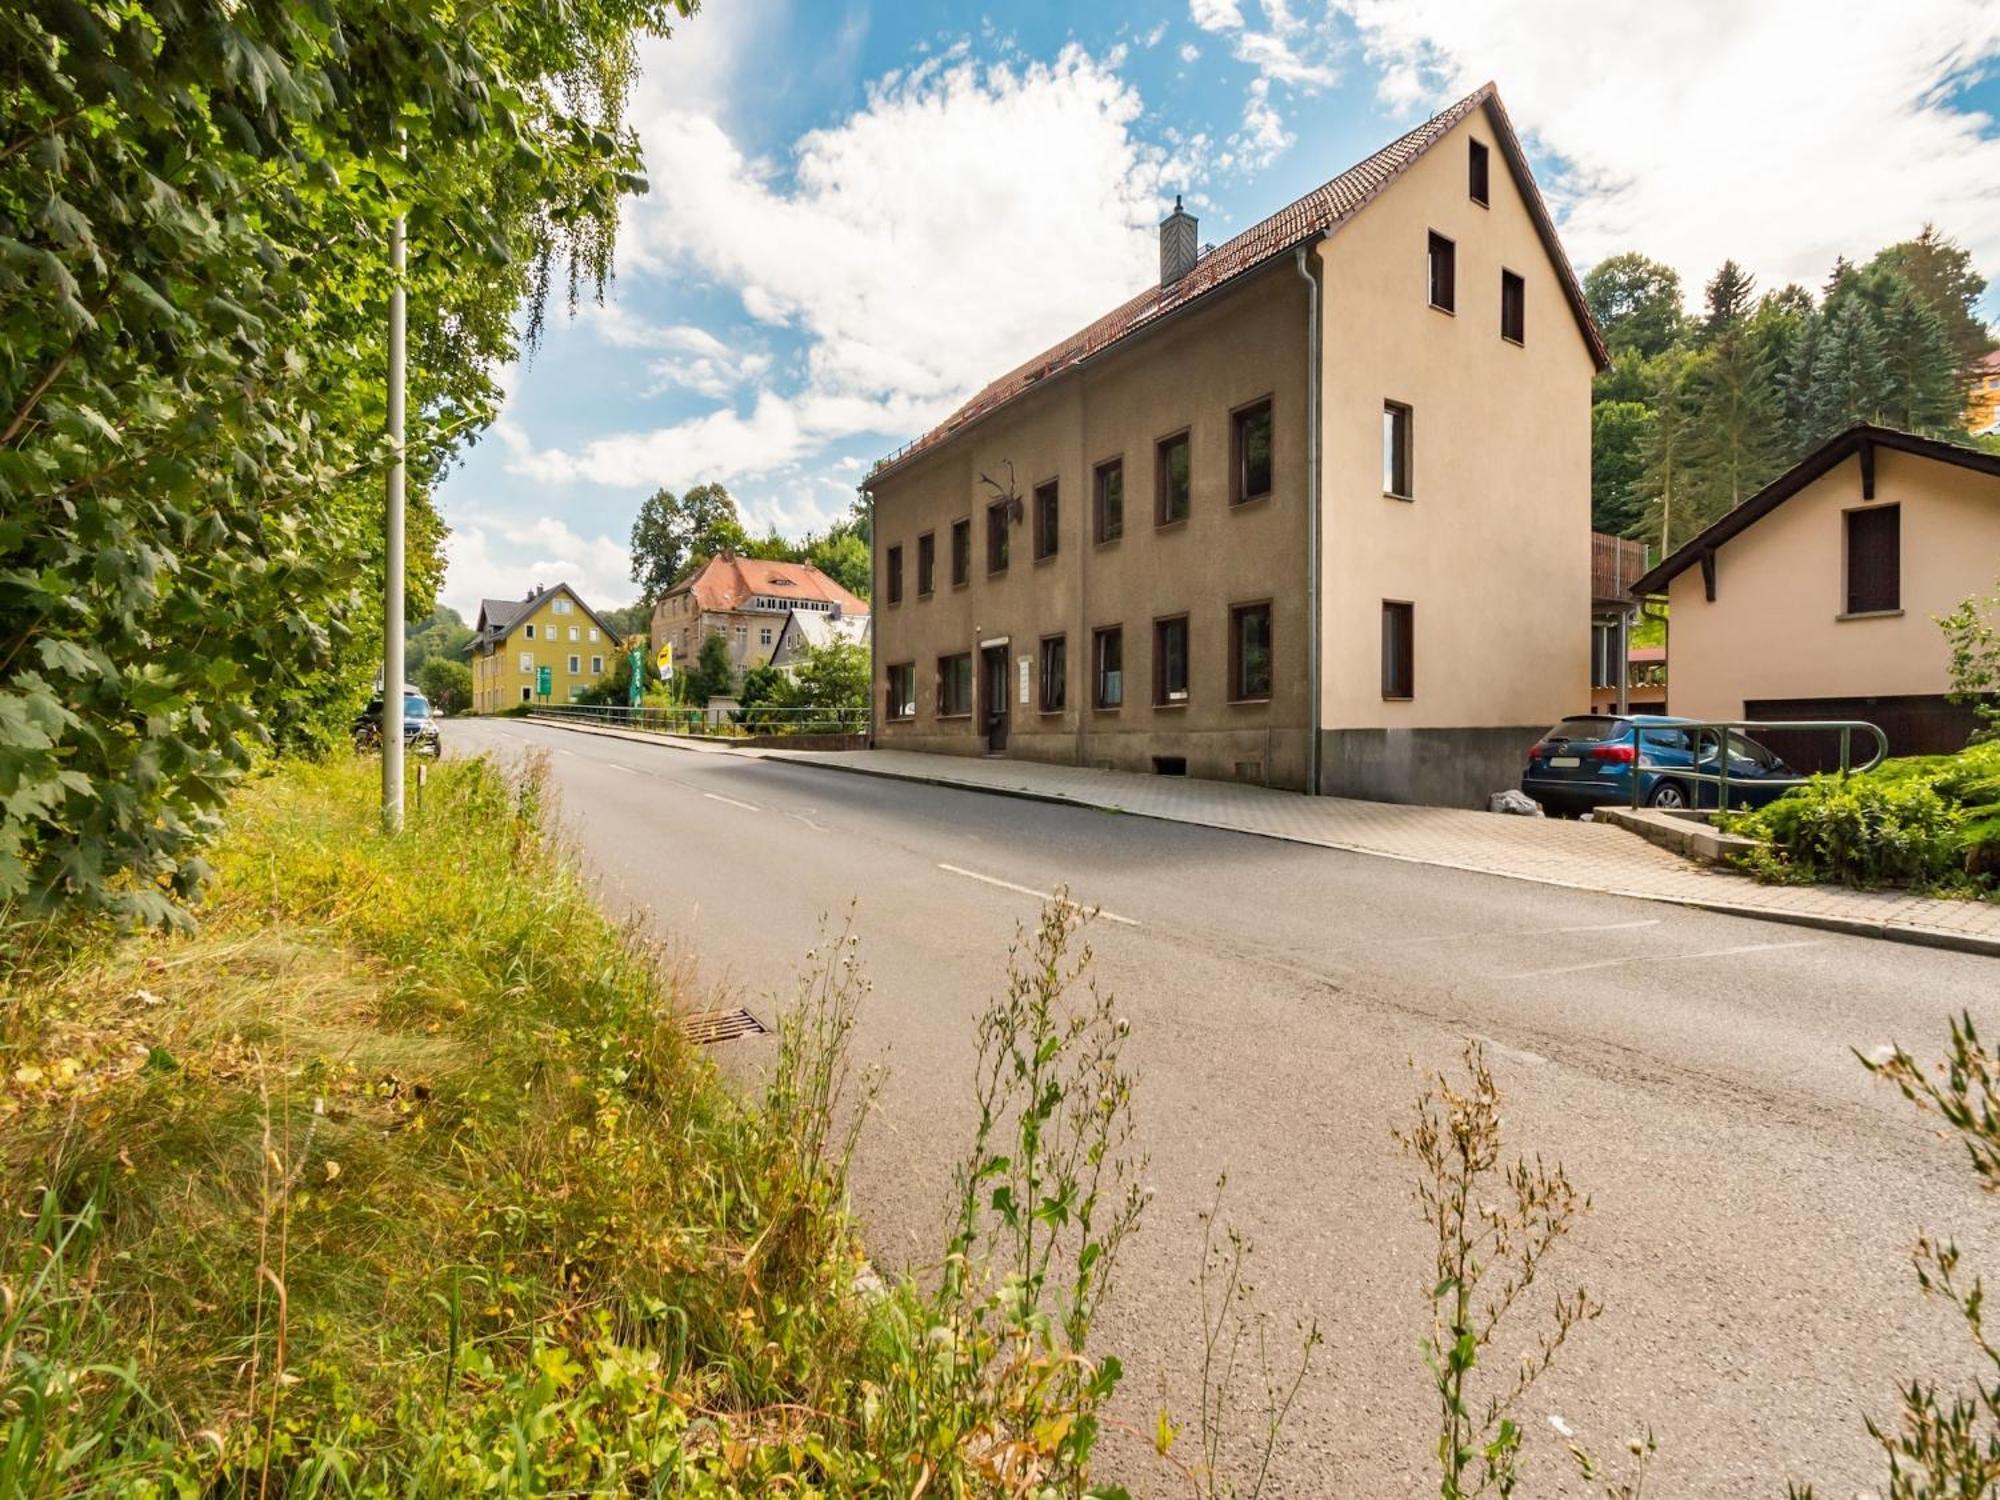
column 1756, row 1192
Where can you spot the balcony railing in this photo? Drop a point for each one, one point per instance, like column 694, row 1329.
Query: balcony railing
column 1616, row 563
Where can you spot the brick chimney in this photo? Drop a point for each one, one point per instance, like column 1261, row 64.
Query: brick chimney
column 1178, row 244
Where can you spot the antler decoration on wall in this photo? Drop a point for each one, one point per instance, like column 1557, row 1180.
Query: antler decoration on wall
column 1007, row 493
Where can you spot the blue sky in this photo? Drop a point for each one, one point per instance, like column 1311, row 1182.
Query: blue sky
column 863, row 210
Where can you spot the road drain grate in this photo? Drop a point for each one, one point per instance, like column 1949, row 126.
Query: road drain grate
column 706, row 1027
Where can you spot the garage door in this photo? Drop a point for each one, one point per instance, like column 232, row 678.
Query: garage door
column 1917, row 725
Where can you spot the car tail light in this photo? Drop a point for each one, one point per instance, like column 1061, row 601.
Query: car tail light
column 1534, row 750
column 1622, row 755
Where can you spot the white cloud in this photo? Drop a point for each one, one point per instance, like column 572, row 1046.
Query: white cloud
column 1263, row 138
column 502, row 557
column 1190, row 52
column 1216, row 15
column 965, row 218
column 1782, row 133
column 1154, row 37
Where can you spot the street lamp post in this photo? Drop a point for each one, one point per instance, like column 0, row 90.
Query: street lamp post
column 392, row 570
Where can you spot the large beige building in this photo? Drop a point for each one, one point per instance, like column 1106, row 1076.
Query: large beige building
column 1818, row 597
column 746, row 601
column 1312, row 511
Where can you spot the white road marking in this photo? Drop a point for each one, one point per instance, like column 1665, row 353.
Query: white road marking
column 1659, row 958
column 617, row 767
column 816, row 827
column 1028, row 890
column 1524, row 932
column 746, row 806
column 1519, row 1054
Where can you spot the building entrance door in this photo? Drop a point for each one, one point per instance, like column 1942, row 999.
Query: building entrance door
column 993, row 694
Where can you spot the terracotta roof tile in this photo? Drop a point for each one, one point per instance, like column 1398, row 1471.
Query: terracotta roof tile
column 726, row 581
column 1319, row 212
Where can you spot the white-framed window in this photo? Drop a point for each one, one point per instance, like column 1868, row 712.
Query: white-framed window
column 575, row 666
column 527, row 695
column 742, row 635
column 593, row 635
column 562, row 606
column 597, row 666
column 531, row 632
column 527, row 663
column 764, row 636
column 572, row 632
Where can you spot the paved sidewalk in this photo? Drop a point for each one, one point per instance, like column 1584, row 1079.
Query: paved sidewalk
column 1583, row 856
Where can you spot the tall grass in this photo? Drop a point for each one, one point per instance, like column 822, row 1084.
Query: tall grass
column 397, row 1178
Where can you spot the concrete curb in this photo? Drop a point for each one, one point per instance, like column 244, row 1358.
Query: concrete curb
column 1922, row 937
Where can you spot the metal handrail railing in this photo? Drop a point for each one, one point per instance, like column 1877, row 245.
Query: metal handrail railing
column 1719, row 730
column 700, row 719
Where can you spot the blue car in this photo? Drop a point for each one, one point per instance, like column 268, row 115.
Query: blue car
column 1590, row 761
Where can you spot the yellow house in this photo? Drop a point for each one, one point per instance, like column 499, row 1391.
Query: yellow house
column 517, row 640
column 1982, row 403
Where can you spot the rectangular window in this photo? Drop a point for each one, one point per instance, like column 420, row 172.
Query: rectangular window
column 531, row 632
column 562, row 606
column 927, row 563
column 1047, row 514
column 961, row 552
column 1479, row 175
column 1170, row 660
column 1513, row 308
column 576, row 666
column 1250, row 652
column 1444, row 273
column 996, row 537
column 527, row 661
column 1055, row 673
column 955, row 685
column 1170, row 480
column 1874, row 559
column 572, row 632
column 1110, row 506
column 1250, row 453
column 892, row 574
column 901, row 702
column 1399, row 649
column 593, row 635
column 1396, row 429
column 1108, row 654
column 597, row 666
column 764, row 636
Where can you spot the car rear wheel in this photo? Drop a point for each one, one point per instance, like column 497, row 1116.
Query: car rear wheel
column 1668, row 795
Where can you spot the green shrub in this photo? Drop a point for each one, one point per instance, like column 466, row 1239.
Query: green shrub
column 1928, row 821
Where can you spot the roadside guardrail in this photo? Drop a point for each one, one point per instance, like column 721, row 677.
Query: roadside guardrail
column 1708, row 742
column 695, row 719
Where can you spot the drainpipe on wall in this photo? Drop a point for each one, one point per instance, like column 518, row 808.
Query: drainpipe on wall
column 1313, row 507
column 874, row 630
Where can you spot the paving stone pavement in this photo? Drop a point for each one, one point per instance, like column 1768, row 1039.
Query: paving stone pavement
column 1583, row 856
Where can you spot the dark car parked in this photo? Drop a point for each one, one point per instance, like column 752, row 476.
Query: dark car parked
column 1591, row 760
column 420, row 730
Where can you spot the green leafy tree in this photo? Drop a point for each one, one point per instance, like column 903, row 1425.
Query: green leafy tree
column 445, row 633
column 672, row 533
column 194, row 212
column 842, row 554
column 1637, row 303
column 714, row 675
column 829, row 686
column 447, row 682
column 1619, row 433
column 1630, row 378
column 632, row 621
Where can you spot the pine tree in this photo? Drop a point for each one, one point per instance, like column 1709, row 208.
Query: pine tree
column 1728, row 300
column 1848, row 377
column 1664, row 452
column 1795, row 386
column 1940, row 272
column 1736, row 441
column 1921, row 383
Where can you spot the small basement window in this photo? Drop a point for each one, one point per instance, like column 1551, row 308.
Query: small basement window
column 1399, row 649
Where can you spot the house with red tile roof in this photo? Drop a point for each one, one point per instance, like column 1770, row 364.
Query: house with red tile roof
column 745, row 600
column 1312, row 510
